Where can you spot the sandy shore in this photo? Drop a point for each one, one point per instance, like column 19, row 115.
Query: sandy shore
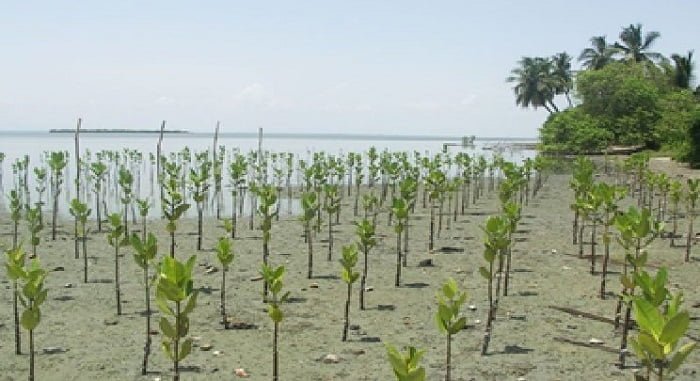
column 531, row 339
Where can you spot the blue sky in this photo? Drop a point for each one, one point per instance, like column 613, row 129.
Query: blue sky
column 395, row 67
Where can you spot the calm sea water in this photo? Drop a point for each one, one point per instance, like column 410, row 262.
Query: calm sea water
column 17, row 144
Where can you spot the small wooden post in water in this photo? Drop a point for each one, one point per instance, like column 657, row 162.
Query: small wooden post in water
column 158, row 166
column 77, row 185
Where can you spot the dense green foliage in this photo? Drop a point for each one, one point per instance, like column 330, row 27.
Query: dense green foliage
column 625, row 95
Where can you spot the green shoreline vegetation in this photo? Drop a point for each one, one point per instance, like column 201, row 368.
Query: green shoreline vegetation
column 624, row 95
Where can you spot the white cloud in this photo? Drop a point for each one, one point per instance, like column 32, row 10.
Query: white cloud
column 468, row 100
column 164, row 101
column 256, row 94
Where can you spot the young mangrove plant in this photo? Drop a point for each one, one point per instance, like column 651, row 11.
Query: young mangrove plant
column 399, row 207
column 365, row 241
column 609, row 196
column 237, row 173
column 34, row 226
column 32, row 297
column 435, row 184
column 495, row 245
column 310, row 206
column 408, row 189
column 14, row 264
column 450, row 301
column 57, row 162
column 15, row 215
column 174, row 285
column 117, row 238
column 174, row 206
column 144, row 205
column 267, row 195
column 81, row 212
column 406, row 367
column 676, row 195
column 126, row 183
column 636, row 231
column 331, row 205
column 349, row 276
column 98, row 171
column 224, row 253
column 145, row 251
column 199, row 178
column 273, row 279
column 691, row 206
column 660, row 330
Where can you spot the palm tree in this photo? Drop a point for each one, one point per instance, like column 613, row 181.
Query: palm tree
column 534, row 83
column 561, row 73
column 635, row 48
column 599, row 55
column 683, row 73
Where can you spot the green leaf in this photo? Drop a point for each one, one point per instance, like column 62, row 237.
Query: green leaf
column 485, row 273
column 185, row 349
column 650, row 345
column 680, row 356
column 167, row 348
column 30, row 318
column 648, row 317
column 458, row 325
column 675, row 328
column 191, row 303
column 166, row 328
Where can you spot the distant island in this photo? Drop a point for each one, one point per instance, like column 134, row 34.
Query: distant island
column 113, row 131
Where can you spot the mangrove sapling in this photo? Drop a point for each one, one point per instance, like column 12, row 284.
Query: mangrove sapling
column 34, row 226
column 310, row 206
column 435, row 184
column 660, row 330
column 174, row 285
column 40, row 173
column 664, row 184
column 32, row 297
column 199, row 179
column 81, row 212
column 676, row 195
column 145, row 251
column 117, row 238
column 237, row 172
column 15, row 215
column 365, row 241
column 126, row 181
column 273, row 280
column 143, row 206
column 98, row 170
column 331, row 205
column 495, row 244
column 173, row 203
column 359, row 175
column 406, row 367
column 637, row 230
column 581, row 182
column 57, row 162
column 14, row 262
column 450, row 300
column 691, row 203
column 408, row 189
column 610, row 195
column 267, row 195
column 370, row 203
column 399, row 207
column 349, row 276
column 511, row 211
column 224, row 253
